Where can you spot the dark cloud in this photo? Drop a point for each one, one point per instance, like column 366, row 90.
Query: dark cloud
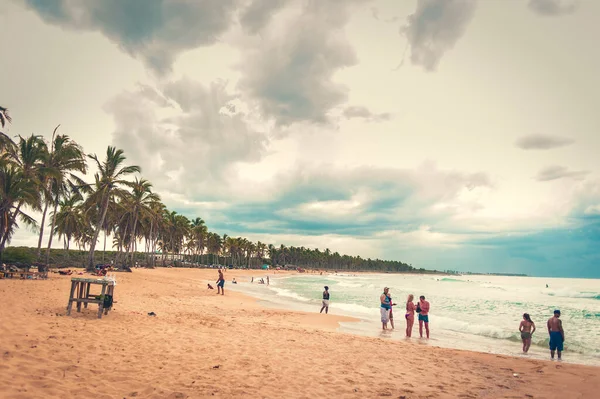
column 289, row 75
column 185, row 135
column 560, row 172
column 155, row 31
column 258, row 14
column 435, row 28
column 542, row 142
column 364, row 113
column 551, row 8
column 542, row 253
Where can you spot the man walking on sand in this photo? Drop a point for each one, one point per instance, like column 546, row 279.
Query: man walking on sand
column 221, row 283
column 557, row 335
column 325, row 300
column 423, row 316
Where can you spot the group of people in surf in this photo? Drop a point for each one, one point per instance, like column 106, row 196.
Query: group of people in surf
column 555, row 331
column 421, row 308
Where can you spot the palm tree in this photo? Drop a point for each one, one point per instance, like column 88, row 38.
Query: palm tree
column 214, row 245
column 199, row 231
column 4, row 117
column 64, row 158
column 139, row 205
column 109, row 179
column 26, row 162
column 15, row 191
column 69, row 219
column 5, row 141
column 154, row 222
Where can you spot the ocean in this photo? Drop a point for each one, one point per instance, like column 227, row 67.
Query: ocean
column 478, row 313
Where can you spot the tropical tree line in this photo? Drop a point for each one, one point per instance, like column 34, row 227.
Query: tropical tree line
column 49, row 177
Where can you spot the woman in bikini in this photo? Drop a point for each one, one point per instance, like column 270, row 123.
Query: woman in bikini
column 410, row 315
column 527, row 328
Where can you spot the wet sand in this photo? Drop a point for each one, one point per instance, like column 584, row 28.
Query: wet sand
column 204, row 345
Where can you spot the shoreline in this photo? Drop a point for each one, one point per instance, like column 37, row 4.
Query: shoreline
column 353, row 327
column 368, row 327
column 201, row 344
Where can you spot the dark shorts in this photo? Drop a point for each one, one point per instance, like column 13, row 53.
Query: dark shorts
column 556, row 341
column 525, row 335
column 424, row 318
column 221, row 283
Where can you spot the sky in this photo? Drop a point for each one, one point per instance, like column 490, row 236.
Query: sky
column 447, row 134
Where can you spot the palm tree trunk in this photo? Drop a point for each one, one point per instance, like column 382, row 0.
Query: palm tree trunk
column 104, row 249
column 122, row 246
column 90, row 266
column 150, row 237
column 43, row 222
column 133, row 238
column 51, row 230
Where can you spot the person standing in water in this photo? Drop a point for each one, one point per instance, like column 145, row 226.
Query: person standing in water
column 221, row 283
column 410, row 315
column 557, row 334
column 423, row 316
column 391, row 314
column 527, row 328
column 385, row 308
column 325, row 300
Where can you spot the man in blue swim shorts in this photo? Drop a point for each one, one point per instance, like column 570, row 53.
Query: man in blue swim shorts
column 221, row 283
column 557, row 334
column 423, row 309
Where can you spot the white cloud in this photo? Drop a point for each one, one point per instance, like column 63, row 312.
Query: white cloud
column 186, row 136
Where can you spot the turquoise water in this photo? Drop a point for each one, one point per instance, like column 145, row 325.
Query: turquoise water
column 480, row 313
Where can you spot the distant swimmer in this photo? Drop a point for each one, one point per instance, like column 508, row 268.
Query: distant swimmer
column 527, row 328
column 325, row 300
column 210, row 287
column 557, row 334
column 267, row 280
column 385, row 308
column 233, row 281
column 423, row 311
column 546, row 285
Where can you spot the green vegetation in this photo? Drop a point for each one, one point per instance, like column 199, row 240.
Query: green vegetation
column 47, row 177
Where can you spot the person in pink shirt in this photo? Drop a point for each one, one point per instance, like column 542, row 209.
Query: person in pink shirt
column 410, row 315
column 423, row 306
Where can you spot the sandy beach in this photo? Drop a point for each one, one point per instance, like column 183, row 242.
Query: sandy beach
column 204, row 345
